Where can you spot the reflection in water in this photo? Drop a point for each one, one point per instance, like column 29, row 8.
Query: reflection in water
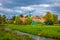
column 33, row 36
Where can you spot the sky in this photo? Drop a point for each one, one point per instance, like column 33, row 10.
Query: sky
column 35, row 7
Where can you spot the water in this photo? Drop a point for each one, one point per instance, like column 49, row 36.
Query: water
column 30, row 35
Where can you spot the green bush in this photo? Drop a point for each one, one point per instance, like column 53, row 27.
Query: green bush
column 28, row 21
column 49, row 23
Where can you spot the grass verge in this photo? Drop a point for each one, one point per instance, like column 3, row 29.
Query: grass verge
column 41, row 30
column 8, row 35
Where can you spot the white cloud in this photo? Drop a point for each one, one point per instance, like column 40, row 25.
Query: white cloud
column 6, row 9
column 41, row 8
column 40, row 5
column 57, row 4
column 45, row 5
column 0, row 4
column 6, row 1
column 35, row 9
column 25, row 8
column 10, row 10
column 18, row 11
column 50, row 5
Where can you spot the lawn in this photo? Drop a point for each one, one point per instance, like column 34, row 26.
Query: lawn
column 41, row 30
column 8, row 35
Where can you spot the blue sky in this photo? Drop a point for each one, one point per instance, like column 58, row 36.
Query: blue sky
column 34, row 7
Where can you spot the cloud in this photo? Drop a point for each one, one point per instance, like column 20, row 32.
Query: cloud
column 8, row 11
column 50, row 5
column 18, row 11
column 27, row 8
column 1, row 14
column 0, row 4
column 40, row 5
column 57, row 4
column 44, row 5
column 34, row 7
column 5, row 1
column 5, row 9
column 23, row 8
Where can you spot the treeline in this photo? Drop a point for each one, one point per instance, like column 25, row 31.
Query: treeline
column 16, row 20
column 2, row 19
column 50, row 19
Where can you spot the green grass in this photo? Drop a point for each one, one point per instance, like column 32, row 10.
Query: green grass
column 41, row 30
column 8, row 35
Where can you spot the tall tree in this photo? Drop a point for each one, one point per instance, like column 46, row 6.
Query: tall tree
column 49, row 16
column 13, row 18
column 55, row 18
column 17, row 20
column 4, row 19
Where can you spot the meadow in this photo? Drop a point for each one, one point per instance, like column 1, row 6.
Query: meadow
column 40, row 30
column 8, row 35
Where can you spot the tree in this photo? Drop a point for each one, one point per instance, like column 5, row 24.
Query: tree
column 13, row 18
column 17, row 20
column 49, row 18
column 28, row 21
column 0, row 19
column 55, row 18
column 4, row 19
column 21, row 15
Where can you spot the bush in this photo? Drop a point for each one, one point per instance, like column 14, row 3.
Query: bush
column 49, row 23
column 28, row 21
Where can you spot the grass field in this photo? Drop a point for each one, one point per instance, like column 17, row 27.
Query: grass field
column 8, row 35
column 41, row 30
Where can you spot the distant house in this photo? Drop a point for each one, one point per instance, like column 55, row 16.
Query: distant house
column 40, row 19
column 37, row 20
column 23, row 19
